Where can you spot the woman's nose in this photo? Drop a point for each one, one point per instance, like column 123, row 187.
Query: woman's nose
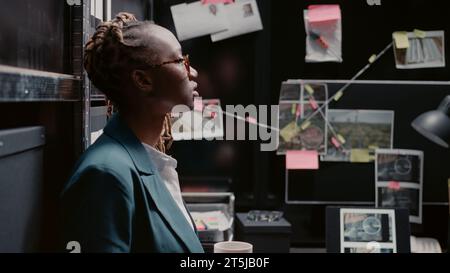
column 193, row 73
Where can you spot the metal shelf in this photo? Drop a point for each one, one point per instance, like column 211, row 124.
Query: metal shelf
column 20, row 85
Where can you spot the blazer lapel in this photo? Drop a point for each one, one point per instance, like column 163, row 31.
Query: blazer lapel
column 170, row 211
column 165, row 204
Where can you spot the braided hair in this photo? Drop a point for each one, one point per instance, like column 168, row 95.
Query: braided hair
column 115, row 47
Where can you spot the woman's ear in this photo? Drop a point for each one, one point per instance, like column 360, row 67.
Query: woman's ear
column 143, row 81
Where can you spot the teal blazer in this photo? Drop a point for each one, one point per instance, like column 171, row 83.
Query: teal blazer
column 116, row 201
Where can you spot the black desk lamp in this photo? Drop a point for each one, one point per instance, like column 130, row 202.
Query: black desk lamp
column 435, row 125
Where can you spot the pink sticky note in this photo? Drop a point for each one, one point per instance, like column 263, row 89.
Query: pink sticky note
column 198, row 105
column 251, row 120
column 335, row 142
column 323, row 13
column 204, row 2
column 313, row 103
column 302, row 160
column 394, row 185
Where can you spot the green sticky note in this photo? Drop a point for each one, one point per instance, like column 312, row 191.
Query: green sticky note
column 401, row 39
column 360, row 155
column 309, row 89
column 290, row 131
column 420, row 33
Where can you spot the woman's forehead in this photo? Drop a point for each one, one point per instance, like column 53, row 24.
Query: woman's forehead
column 164, row 42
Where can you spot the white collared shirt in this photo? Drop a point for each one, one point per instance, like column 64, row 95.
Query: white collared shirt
column 166, row 166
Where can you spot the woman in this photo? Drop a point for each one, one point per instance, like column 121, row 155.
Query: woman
column 124, row 194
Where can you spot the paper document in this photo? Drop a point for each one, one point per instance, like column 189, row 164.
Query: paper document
column 197, row 19
column 243, row 18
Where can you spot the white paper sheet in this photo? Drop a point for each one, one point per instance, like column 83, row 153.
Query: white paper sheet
column 243, row 17
column 197, row 19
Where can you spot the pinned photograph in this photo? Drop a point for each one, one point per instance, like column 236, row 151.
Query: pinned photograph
column 399, row 167
column 419, row 49
column 362, row 130
column 298, row 134
column 299, row 130
column 399, row 181
column 313, row 136
column 389, row 197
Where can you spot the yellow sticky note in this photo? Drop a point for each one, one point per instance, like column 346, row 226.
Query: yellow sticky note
column 309, row 89
column 305, row 125
column 341, row 139
column 338, row 95
column 372, row 58
column 360, row 155
column 420, row 33
column 289, row 132
column 401, row 39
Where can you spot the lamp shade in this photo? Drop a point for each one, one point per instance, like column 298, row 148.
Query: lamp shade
column 435, row 125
